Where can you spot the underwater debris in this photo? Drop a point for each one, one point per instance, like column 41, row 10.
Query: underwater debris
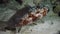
column 59, row 14
column 56, row 7
column 58, row 32
column 3, row 1
column 19, row 1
